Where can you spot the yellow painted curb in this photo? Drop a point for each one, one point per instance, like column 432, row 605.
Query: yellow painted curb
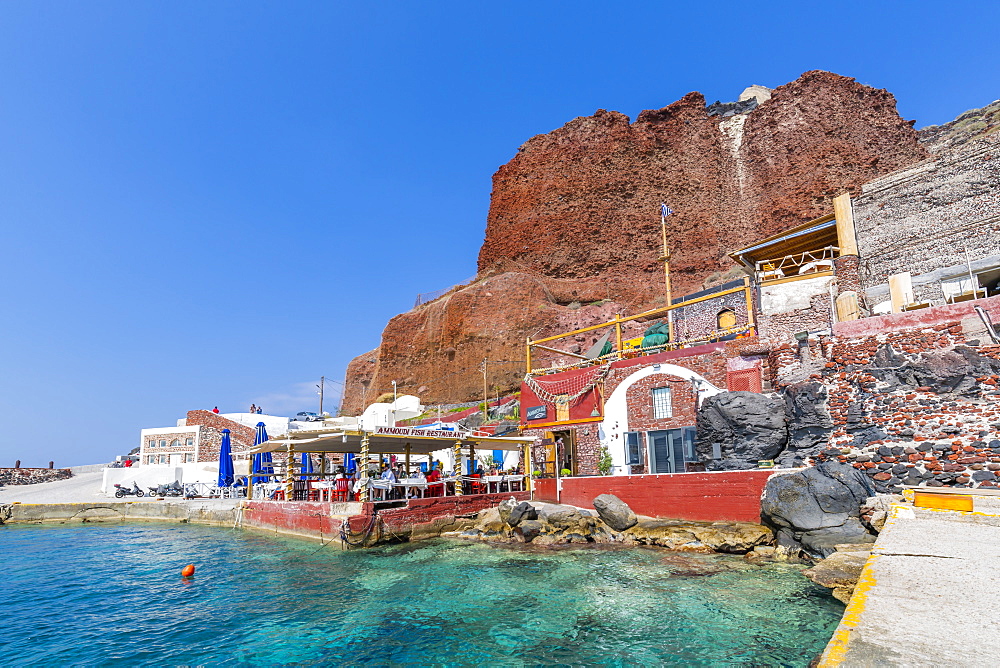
column 836, row 649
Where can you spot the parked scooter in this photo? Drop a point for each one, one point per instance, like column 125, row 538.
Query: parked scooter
column 125, row 491
column 169, row 489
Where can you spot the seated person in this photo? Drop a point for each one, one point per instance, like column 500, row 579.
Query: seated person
column 397, row 493
column 434, row 484
column 387, row 476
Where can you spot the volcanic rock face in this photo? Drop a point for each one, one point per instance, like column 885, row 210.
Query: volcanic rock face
column 742, row 427
column 583, row 200
column 809, row 422
column 574, row 218
column 435, row 351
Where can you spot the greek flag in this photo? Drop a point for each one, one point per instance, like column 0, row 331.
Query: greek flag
column 665, row 210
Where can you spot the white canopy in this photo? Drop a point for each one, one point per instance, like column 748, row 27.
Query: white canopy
column 388, row 440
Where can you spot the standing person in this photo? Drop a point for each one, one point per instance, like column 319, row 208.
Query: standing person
column 253, row 408
column 216, row 410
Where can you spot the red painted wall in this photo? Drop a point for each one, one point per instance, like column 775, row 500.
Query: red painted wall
column 544, row 490
column 307, row 518
column 301, row 517
column 712, row 497
column 926, row 317
column 420, row 511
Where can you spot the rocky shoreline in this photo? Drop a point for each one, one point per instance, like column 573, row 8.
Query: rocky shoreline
column 816, row 517
column 541, row 523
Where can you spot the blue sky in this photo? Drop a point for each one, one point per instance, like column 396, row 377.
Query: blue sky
column 214, row 203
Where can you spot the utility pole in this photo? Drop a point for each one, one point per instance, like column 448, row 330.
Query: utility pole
column 665, row 258
column 486, row 401
column 322, row 382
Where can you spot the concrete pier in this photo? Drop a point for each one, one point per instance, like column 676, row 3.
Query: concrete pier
column 927, row 595
column 218, row 512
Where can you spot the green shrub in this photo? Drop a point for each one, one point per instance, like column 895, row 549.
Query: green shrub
column 604, row 462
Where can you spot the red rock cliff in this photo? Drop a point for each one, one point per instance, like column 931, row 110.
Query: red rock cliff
column 574, row 218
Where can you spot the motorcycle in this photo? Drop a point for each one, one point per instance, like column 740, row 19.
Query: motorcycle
column 125, row 491
column 170, row 489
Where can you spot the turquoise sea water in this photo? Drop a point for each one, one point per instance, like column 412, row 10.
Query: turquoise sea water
column 113, row 595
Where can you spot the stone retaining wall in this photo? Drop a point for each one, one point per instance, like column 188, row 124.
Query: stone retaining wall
column 925, row 218
column 20, row 476
column 914, row 406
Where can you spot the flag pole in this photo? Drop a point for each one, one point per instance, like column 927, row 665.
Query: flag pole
column 664, row 212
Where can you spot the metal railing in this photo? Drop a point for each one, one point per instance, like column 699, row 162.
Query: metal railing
column 654, row 314
column 427, row 297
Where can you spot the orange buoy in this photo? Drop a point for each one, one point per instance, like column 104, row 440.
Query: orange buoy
column 188, row 570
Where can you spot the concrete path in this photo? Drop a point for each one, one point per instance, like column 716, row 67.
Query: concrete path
column 927, row 596
column 81, row 488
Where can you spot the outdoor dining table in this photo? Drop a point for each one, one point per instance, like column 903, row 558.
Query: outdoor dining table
column 379, row 487
column 499, row 481
column 265, row 490
column 412, row 483
column 322, row 488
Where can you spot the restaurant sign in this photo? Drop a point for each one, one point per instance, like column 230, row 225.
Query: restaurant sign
column 537, row 412
column 416, row 433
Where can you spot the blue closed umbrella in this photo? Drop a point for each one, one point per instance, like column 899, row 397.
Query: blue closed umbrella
column 226, row 470
column 261, row 460
column 349, row 463
column 307, row 465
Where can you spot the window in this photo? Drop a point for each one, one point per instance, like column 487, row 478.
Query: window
column 744, row 380
column 562, row 408
column 151, row 459
column 163, row 443
column 188, row 457
column 163, row 458
column 633, row 448
column 726, row 318
column 662, row 407
column 189, row 442
column 671, row 449
column 176, row 443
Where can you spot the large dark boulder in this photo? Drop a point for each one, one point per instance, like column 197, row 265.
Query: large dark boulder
column 614, row 512
column 809, row 423
column 737, row 429
column 473, row 421
column 520, row 512
column 824, row 542
column 528, row 530
column 819, row 507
